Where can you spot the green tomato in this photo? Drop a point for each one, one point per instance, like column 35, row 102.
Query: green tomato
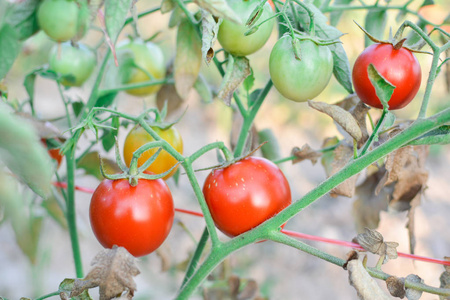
column 231, row 35
column 74, row 64
column 146, row 56
column 304, row 79
column 59, row 19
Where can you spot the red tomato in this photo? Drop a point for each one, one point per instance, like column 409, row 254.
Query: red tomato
column 399, row 67
column 54, row 153
column 137, row 218
column 245, row 194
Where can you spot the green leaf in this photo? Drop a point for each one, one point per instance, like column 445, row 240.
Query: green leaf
column 115, row 15
column 249, row 81
column 28, row 83
column 341, row 65
column 253, row 96
column 375, row 24
column 188, row 58
column 383, row 88
column 22, row 16
column 220, row 9
column 109, row 136
column 335, row 16
column 90, row 163
column 10, row 48
column 77, row 107
column 203, row 89
column 23, row 153
column 106, row 100
column 270, row 150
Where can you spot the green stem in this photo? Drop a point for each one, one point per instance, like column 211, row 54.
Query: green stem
column 312, row 30
column 142, row 14
column 69, row 119
column 187, row 165
column 374, row 133
column 196, row 257
column 135, row 86
column 217, row 145
column 48, row 295
column 71, row 213
column 248, row 119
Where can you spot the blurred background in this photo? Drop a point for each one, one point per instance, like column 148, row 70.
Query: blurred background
column 281, row 272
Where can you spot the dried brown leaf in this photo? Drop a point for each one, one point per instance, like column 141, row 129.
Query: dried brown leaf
column 328, row 157
column 238, row 68
column 396, row 286
column 113, row 271
column 445, row 279
column 368, row 204
column 364, row 284
column 249, row 292
column 340, row 116
column 342, row 155
column 210, row 29
column 373, row 242
column 412, row 294
column 305, row 152
column 233, row 284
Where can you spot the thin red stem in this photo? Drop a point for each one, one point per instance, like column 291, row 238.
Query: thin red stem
column 293, row 233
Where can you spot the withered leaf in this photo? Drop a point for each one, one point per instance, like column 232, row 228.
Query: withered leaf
column 340, row 116
column 188, row 58
column 238, row 68
column 233, row 284
column 305, row 152
column 364, row 284
column 328, row 156
column 396, row 286
column 368, row 204
column 168, row 93
column 373, row 242
column 249, row 292
column 210, row 29
column 342, row 155
column 445, row 279
column 113, row 273
column 412, row 294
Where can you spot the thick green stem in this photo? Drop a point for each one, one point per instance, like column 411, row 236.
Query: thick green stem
column 248, row 119
column 71, row 213
column 196, row 257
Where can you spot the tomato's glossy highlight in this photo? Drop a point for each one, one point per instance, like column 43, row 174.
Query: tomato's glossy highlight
column 304, row 79
column 75, row 64
column 138, row 137
column 245, row 194
column 400, row 67
column 137, row 218
column 231, row 35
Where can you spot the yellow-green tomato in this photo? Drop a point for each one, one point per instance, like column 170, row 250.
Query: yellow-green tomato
column 59, row 19
column 300, row 79
column 138, row 137
column 74, row 64
column 146, row 56
column 231, row 35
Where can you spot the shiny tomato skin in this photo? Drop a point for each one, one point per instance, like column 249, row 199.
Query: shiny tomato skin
column 138, row 137
column 245, row 194
column 137, row 218
column 231, row 35
column 400, row 67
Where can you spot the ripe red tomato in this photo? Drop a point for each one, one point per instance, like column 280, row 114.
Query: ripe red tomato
column 138, row 137
column 399, row 67
column 245, row 194
column 137, row 218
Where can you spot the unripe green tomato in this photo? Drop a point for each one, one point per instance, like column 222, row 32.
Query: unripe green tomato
column 231, row 35
column 75, row 64
column 149, row 57
column 59, row 19
column 304, row 79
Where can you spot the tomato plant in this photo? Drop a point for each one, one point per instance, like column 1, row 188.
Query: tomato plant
column 74, row 64
column 54, row 153
column 137, row 137
column 231, row 35
column 303, row 78
column 398, row 66
column 60, row 19
column 148, row 63
column 138, row 218
column 245, row 194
